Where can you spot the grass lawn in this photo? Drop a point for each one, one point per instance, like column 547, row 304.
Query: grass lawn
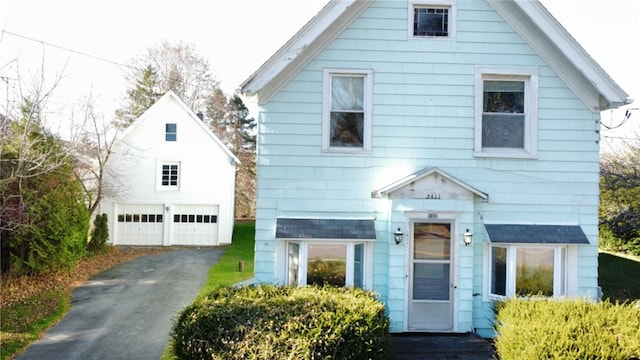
column 619, row 276
column 24, row 321
column 226, row 272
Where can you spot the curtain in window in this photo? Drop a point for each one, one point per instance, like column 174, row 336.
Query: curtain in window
column 347, row 93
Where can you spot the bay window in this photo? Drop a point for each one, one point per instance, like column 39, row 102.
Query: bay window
column 517, row 270
column 322, row 263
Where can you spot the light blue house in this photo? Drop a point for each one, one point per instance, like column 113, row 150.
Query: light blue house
column 443, row 153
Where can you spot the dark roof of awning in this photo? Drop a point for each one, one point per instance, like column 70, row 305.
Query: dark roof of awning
column 536, row 234
column 291, row 228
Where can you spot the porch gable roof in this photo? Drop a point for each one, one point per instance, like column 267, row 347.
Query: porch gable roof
column 415, row 177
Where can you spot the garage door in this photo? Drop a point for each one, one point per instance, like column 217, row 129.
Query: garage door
column 194, row 225
column 139, row 224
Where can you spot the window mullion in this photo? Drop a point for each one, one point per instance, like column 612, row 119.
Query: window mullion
column 349, row 264
column 511, row 271
column 302, row 270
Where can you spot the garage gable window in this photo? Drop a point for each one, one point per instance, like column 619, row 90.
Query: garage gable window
column 170, row 132
column 169, row 176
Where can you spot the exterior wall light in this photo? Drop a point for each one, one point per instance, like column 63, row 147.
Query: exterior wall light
column 397, row 236
column 467, row 237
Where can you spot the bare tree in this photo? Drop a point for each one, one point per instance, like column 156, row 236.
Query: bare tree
column 164, row 67
column 92, row 144
column 26, row 149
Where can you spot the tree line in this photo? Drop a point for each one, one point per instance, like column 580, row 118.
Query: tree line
column 51, row 187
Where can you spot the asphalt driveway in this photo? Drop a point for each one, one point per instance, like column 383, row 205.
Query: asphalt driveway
column 127, row 312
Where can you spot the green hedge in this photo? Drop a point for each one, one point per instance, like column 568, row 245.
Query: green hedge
column 279, row 322
column 567, row 329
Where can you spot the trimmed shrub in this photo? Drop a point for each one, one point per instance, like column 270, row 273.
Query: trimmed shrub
column 99, row 234
column 278, row 322
column 566, row 329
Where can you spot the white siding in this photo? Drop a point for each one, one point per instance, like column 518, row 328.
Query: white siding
column 207, row 172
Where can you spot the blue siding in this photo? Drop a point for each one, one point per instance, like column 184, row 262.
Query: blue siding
column 423, row 116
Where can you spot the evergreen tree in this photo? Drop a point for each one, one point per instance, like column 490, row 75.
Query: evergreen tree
column 144, row 93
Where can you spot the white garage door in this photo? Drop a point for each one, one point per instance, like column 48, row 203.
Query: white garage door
column 194, row 225
column 139, row 224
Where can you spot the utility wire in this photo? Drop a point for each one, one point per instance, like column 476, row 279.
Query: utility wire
column 68, row 49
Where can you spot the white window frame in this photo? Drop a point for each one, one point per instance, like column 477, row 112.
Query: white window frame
column 159, row 185
column 530, row 78
column 367, row 107
column 452, row 5
column 367, row 260
column 560, row 269
column 166, row 133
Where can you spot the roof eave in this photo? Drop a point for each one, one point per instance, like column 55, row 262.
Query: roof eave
column 552, row 42
column 302, row 47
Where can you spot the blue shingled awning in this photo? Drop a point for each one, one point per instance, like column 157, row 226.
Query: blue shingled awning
column 343, row 229
column 536, row 234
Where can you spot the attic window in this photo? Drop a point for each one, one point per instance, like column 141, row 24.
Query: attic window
column 171, row 132
column 435, row 19
column 430, row 21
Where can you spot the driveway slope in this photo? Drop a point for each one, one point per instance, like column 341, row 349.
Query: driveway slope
column 127, row 311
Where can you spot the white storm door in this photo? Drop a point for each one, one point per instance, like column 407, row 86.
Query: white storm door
column 430, row 278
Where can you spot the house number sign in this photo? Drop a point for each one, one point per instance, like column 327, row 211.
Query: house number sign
column 433, row 196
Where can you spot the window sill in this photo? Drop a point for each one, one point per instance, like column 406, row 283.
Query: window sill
column 511, row 154
column 352, row 151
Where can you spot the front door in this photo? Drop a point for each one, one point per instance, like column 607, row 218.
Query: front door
column 430, row 278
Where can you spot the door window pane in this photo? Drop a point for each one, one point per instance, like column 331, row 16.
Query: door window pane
column 534, row 272
column 430, row 281
column 431, row 241
column 326, row 265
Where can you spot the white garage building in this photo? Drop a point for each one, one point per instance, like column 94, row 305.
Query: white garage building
column 170, row 181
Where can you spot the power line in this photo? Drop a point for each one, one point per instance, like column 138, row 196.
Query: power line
column 99, row 58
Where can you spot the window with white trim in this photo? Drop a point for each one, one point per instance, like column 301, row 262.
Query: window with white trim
column 169, row 175
column 346, row 118
column 506, row 113
column 432, row 19
column 324, row 263
column 526, row 270
column 170, row 132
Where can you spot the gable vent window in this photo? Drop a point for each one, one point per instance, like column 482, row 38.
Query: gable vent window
column 430, row 21
column 171, row 132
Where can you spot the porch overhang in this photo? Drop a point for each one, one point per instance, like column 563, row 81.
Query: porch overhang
column 416, row 177
column 536, row 234
column 326, row 229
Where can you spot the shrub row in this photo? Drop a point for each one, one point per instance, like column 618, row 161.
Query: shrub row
column 567, row 329
column 280, row 322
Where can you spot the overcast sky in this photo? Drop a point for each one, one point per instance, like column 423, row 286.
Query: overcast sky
column 237, row 36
